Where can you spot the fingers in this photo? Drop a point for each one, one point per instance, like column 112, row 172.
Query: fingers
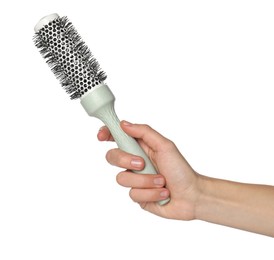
column 122, row 159
column 144, row 181
column 148, row 195
column 144, row 187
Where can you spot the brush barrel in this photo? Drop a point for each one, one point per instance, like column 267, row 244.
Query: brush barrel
column 99, row 103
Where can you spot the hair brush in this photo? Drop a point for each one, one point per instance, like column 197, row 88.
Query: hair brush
column 81, row 76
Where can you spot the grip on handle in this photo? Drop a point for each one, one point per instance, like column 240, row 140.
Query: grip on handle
column 99, row 103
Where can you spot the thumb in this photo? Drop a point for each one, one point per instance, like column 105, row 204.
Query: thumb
column 149, row 136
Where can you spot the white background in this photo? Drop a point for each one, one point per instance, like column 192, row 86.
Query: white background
column 200, row 72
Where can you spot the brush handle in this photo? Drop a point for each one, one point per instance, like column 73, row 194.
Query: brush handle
column 99, row 103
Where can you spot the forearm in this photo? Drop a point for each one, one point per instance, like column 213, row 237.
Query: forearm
column 248, row 207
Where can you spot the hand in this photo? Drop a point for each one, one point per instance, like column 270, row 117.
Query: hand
column 240, row 205
column 176, row 179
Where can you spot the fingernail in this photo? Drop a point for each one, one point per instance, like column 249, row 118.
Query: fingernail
column 164, row 194
column 159, row 181
column 136, row 163
column 126, row 123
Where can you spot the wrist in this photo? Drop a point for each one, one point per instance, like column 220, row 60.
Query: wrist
column 203, row 186
column 212, row 199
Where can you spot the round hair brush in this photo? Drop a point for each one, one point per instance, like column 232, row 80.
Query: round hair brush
column 80, row 75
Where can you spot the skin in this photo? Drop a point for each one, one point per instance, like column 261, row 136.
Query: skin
column 248, row 207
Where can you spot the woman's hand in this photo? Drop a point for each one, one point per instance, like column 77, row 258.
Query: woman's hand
column 176, row 179
column 240, row 205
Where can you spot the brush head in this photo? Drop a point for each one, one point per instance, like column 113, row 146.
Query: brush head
column 68, row 56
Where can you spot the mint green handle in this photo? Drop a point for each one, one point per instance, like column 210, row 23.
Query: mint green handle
column 99, row 103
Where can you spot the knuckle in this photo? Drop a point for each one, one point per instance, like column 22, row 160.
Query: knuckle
column 131, row 194
column 118, row 158
column 169, row 145
column 146, row 127
column 120, row 179
column 110, row 155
